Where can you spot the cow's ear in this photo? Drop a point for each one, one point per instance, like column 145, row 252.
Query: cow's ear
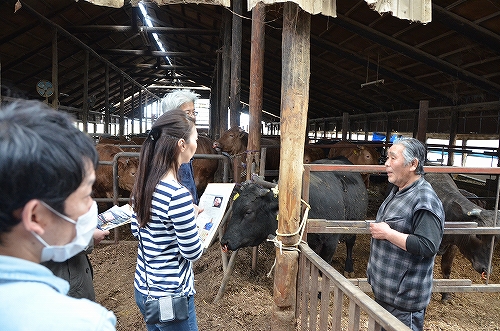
column 122, row 163
column 263, row 191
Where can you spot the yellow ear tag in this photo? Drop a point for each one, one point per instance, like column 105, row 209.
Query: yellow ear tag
column 236, row 196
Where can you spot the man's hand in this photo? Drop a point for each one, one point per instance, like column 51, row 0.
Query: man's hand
column 99, row 235
column 383, row 231
column 379, row 230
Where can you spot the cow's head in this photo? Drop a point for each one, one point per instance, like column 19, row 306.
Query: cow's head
column 253, row 219
column 364, row 155
column 312, row 154
column 233, row 141
column 477, row 247
column 127, row 168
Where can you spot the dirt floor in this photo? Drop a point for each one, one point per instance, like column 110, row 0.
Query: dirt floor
column 248, row 299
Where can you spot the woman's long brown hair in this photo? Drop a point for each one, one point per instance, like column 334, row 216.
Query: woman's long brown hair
column 159, row 154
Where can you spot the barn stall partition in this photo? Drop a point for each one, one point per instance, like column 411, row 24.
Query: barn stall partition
column 317, row 311
column 320, row 300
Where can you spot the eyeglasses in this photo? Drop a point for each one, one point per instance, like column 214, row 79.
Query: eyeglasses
column 191, row 113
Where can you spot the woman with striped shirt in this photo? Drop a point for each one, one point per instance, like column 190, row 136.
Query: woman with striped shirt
column 164, row 217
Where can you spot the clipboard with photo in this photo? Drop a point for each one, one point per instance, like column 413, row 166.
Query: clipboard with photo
column 114, row 217
column 214, row 202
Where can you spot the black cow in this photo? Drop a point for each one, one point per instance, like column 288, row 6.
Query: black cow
column 476, row 248
column 332, row 195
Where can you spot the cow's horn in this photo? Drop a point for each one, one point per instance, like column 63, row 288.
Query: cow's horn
column 474, row 212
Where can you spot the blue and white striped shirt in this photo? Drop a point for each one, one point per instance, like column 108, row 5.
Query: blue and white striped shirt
column 171, row 243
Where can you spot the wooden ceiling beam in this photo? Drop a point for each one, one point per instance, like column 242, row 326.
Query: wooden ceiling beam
column 397, row 76
column 418, row 55
column 32, row 25
column 84, row 46
column 467, row 28
column 383, row 90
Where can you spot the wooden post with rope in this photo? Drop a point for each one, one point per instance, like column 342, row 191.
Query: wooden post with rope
column 294, row 105
column 255, row 100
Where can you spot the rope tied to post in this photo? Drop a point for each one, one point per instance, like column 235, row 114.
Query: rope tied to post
column 300, row 230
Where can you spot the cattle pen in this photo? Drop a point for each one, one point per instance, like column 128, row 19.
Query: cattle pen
column 116, row 199
column 328, row 312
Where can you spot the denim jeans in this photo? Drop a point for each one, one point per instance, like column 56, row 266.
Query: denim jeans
column 414, row 320
column 187, row 325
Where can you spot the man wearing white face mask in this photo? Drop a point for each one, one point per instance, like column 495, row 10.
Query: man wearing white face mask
column 47, row 168
column 78, row 269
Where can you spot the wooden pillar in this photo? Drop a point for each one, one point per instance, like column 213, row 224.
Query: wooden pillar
column 415, row 127
column 226, row 72
column 132, row 101
column 236, row 63
column 107, row 113
column 85, row 107
column 388, row 133
column 213, row 114
column 122, row 106
column 498, row 153
column 367, row 127
column 464, row 155
column 345, row 125
column 294, row 105
column 145, row 117
column 423, row 111
column 141, row 113
column 256, row 86
column 55, row 72
column 453, row 136
column 388, row 129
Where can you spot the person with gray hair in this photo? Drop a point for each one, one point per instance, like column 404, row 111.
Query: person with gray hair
column 183, row 100
column 406, row 236
column 180, row 99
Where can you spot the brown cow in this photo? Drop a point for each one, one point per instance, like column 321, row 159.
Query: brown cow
column 312, row 154
column 127, row 168
column 355, row 153
column 361, row 155
column 204, row 169
column 234, row 142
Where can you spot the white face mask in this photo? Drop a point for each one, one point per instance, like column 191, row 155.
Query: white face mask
column 85, row 226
